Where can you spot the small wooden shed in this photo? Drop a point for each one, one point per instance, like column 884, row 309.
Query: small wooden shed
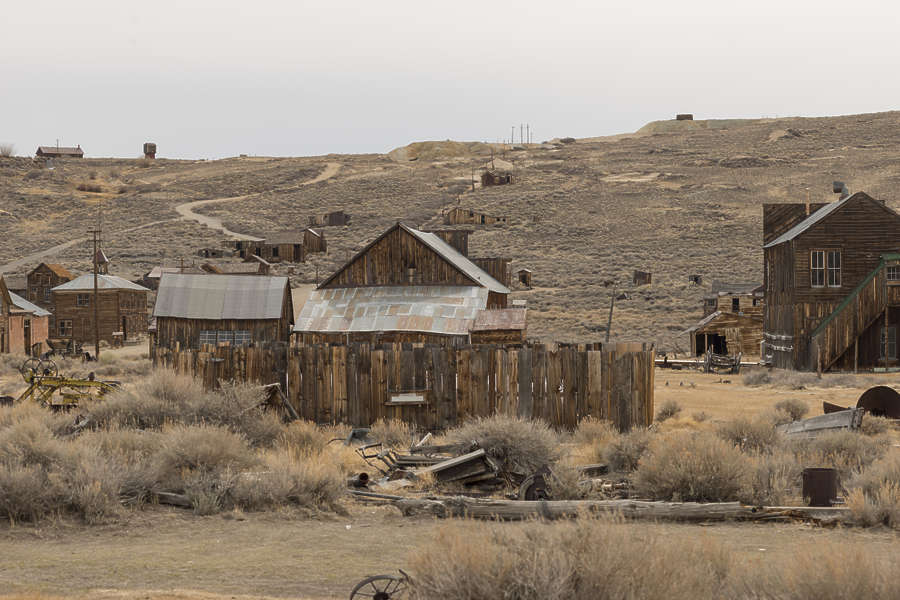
column 467, row 216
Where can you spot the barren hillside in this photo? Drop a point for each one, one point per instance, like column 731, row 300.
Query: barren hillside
column 674, row 199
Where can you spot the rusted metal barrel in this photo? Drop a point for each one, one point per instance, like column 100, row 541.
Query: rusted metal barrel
column 819, row 486
column 359, row 481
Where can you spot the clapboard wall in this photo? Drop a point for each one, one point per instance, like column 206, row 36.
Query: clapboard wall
column 358, row 383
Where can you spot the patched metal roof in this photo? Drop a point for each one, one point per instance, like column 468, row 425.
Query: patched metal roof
column 24, row 304
column 446, row 310
column 218, row 297
column 453, row 256
column 500, row 318
column 104, row 282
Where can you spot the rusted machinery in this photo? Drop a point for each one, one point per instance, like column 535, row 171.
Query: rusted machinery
column 881, row 401
column 46, row 386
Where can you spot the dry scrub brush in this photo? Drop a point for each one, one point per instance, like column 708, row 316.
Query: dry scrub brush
column 518, row 445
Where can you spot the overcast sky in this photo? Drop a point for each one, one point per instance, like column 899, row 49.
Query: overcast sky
column 207, row 79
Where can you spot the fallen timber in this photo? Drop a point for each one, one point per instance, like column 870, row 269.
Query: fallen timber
column 844, row 420
column 517, row 510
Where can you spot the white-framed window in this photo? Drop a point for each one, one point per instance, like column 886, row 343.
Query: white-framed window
column 891, row 339
column 232, row 338
column 83, row 300
column 65, row 328
column 817, row 268
column 834, row 268
column 893, row 273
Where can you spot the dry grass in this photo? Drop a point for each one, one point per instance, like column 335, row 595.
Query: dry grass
column 624, row 453
column 393, row 433
column 667, row 410
column 519, row 445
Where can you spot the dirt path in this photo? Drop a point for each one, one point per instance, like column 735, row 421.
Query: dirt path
column 186, row 213
column 186, row 210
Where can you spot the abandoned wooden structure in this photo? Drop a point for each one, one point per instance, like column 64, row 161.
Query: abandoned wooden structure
column 684, row 117
column 491, row 177
column 213, row 252
column 149, row 150
column 641, row 278
column 235, row 310
column 437, row 387
column 286, row 246
column 24, row 327
column 467, row 216
column 337, row 218
column 59, row 152
column 257, row 266
column 732, row 320
column 832, row 285
column 406, row 285
column 41, row 280
column 122, row 308
column 524, row 276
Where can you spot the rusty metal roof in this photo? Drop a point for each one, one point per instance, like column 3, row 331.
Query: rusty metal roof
column 104, row 282
column 446, row 310
column 58, row 269
column 217, row 297
column 500, row 318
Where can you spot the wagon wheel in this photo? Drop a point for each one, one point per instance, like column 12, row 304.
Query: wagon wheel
column 37, row 367
column 380, row 587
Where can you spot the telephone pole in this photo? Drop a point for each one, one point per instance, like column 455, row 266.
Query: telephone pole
column 96, row 235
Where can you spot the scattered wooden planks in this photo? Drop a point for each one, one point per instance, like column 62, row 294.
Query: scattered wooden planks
column 849, row 420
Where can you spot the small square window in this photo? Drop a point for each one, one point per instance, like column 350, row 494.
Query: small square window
column 83, row 300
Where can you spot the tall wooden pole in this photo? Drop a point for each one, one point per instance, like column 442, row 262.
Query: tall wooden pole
column 96, row 234
column 612, row 303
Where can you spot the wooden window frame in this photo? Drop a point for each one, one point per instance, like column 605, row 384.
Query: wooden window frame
column 895, row 270
column 892, row 332
column 813, row 269
column 86, row 302
column 830, row 269
column 64, row 328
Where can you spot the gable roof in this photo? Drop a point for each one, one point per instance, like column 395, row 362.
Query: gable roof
column 60, row 150
column 728, row 288
column 218, row 297
column 104, row 282
column 819, row 215
column 16, row 282
column 23, row 304
column 55, row 268
column 447, row 252
column 284, row 237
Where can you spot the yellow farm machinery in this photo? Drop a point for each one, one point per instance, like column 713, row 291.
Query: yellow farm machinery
column 49, row 388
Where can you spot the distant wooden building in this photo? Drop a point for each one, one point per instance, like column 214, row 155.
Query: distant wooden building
column 286, row 246
column 642, row 278
column 492, row 177
column 41, row 280
column 739, row 298
column 60, row 152
column 409, row 286
column 17, row 284
column 194, row 310
column 832, row 284
column 24, row 327
column 524, row 277
column 213, row 252
column 149, row 150
column 467, row 216
column 337, row 218
column 122, row 308
column 256, row 266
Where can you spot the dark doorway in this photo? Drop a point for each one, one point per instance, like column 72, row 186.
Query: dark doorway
column 735, row 305
column 124, row 328
column 27, row 331
column 713, row 341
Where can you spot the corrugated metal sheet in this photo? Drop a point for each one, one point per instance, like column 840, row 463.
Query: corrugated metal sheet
column 24, row 304
column 452, row 255
column 500, row 318
column 104, row 282
column 446, row 310
column 220, row 296
column 157, row 272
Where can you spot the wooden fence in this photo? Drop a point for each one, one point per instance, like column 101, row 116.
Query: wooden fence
column 436, row 387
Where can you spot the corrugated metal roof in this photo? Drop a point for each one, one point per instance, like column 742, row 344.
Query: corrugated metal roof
column 446, row 310
column 817, row 216
column 104, row 282
column 284, row 237
column 189, row 296
column 24, row 304
column 500, row 318
column 726, row 288
column 453, row 256
column 157, row 272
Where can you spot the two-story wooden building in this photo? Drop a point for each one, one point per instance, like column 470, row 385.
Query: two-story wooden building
column 832, row 284
column 41, row 280
column 237, row 310
column 122, row 308
column 410, row 286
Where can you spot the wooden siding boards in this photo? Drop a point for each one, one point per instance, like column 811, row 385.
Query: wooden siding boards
column 117, row 307
column 498, row 268
column 863, row 229
column 742, row 333
column 354, row 383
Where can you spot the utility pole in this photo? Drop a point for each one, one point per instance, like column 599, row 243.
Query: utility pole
column 512, row 135
column 612, row 303
column 528, row 133
column 521, row 139
column 96, row 235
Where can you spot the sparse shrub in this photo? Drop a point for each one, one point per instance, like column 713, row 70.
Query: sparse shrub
column 592, row 431
column 199, row 448
column 795, row 409
column 700, row 417
column 884, row 470
column 92, row 485
column 624, row 453
column 519, row 445
column 874, row 425
column 393, row 433
column 756, row 435
column 880, row 506
column 89, row 187
column 669, row 409
column 26, row 492
column 698, row 467
column 92, row 175
column 846, row 451
column 757, row 378
column 309, row 482
column 772, row 479
column 123, row 189
column 302, row 438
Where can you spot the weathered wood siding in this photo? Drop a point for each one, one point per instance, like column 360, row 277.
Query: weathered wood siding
column 398, row 259
column 354, row 383
column 314, row 241
column 467, row 216
column 115, row 306
column 498, row 268
column 742, row 334
column 458, row 238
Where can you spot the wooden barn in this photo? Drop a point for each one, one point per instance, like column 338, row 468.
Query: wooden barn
column 122, row 308
column 407, row 286
column 467, row 216
column 492, row 177
column 832, row 284
column 41, row 280
column 195, row 310
column 337, row 218
column 24, row 327
column 59, row 152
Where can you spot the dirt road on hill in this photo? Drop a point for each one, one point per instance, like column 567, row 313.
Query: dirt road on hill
column 186, row 210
